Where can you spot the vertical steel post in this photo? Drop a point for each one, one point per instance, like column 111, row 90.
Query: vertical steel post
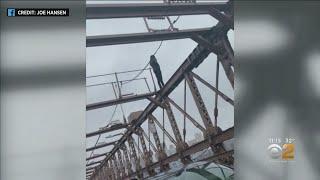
column 135, row 157
column 128, row 162
column 114, row 90
column 185, row 110
column 116, row 167
column 112, row 170
column 120, row 96
column 146, row 154
column 163, row 125
column 216, row 96
column 145, row 80
column 121, row 166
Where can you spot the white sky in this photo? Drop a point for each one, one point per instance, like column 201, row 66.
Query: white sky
column 110, row 59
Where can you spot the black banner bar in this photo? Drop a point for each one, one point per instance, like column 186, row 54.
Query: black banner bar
column 12, row 12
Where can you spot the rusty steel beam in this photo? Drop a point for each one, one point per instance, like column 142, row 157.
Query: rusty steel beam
column 221, row 94
column 134, row 156
column 228, row 48
column 217, row 139
column 88, row 169
column 116, row 167
column 103, row 172
column 96, row 156
column 155, row 102
column 132, row 10
column 121, row 165
column 106, row 130
column 154, row 119
column 160, row 150
column 109, row 171
column 89, row 173
column 101, row 146
column 210, row 129
column 221, row 48
column 226, row 64
column 146, row 154
column 118, row 101
column 199, row 103
column 198, row 55
column 181, row 145
column 140, row 153
column 149, row 141
column 223, row 55
column 173, row 123
column 106, row 40
column 226, row 19
column 93, row 163
column 194, row 122
column 127, row 159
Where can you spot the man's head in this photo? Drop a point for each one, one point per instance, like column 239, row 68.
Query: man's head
column 153, row 59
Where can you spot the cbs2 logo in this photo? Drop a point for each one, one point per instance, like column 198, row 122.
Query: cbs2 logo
column 286, row 152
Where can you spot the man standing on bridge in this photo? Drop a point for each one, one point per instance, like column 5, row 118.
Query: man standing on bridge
column 157, row 71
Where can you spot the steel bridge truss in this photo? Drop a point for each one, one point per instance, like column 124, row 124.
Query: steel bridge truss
column 127, row 159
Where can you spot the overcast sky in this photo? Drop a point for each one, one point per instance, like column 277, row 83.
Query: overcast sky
column 117, row 58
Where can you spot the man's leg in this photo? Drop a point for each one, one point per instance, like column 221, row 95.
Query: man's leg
column 159, row 79
column 159, row 83
column 162, row 83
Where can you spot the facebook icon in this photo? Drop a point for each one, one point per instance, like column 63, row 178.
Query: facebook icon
column 11, row 12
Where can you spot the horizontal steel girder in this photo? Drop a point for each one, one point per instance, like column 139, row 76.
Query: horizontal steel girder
column 118, row 101
column 90, row 169
column 106, row 130
column 106, row 40
column 93, row 163
column 96, row 156
column 104, row 11
column 101, row 146
column 89, row 172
